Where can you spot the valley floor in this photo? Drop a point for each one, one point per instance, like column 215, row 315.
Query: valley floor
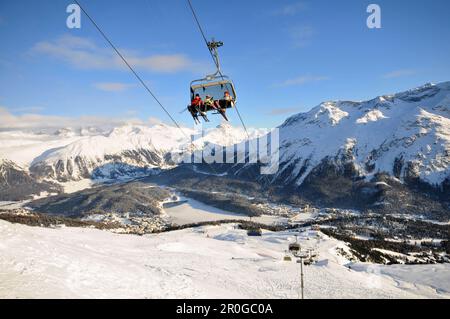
column 205, row 262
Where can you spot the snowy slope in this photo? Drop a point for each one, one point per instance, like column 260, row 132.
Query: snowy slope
column 404, row 135
column 206, row 262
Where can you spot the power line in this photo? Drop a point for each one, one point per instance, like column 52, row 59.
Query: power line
column 242, row 121
column 130, row 67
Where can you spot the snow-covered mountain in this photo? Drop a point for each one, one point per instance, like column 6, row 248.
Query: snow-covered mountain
column 130, row 150
column 225, row 134
column 406, row 135
column 125, row 150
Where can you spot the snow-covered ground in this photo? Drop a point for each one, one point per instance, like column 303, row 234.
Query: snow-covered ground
column 206, row 262
column 11, row 205
column 75, row 186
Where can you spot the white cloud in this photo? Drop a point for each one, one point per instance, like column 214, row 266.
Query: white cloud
column 291, row 9
column 112, row 86
column 85, row 54
column 399, row 73
column 301, row 80
column 301, row 35
column 10, row 121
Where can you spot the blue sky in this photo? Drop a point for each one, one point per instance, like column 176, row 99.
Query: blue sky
column 284, row 56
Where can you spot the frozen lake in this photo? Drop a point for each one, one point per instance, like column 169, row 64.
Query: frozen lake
column 194, row 211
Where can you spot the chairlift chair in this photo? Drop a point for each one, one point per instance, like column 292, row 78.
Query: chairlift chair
column 215, row 85
column 294, row 247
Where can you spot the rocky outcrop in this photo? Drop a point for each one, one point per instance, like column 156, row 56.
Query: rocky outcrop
column 17, row 184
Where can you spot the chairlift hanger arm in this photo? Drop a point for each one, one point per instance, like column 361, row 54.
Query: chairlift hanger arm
column 213, row 49
column 209, row 80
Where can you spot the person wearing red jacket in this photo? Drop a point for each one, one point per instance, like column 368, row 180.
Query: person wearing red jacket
column 195, row 107
column 197, row 101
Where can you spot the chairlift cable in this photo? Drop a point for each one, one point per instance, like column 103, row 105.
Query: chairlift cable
column 242, row 121
column 202, row 33
column 138, row 77
column 219, row 71
column 131, row 68
column 215, row 62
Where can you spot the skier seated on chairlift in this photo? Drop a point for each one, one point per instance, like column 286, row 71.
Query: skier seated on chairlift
column 226, row 102
column 195, row 106
column 198, row 104
column 209, row 103
column 194, row 113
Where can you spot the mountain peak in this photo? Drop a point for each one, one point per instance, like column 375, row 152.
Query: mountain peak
column 334, row 111
column 125, row 129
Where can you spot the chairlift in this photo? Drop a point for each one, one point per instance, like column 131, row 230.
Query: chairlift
column 215, row 86
column 294, row 247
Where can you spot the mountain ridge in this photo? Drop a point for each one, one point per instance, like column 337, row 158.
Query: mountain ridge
column 424, row 112
column 404, row 135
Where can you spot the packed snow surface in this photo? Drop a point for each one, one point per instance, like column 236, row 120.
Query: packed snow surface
column 206, row 262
